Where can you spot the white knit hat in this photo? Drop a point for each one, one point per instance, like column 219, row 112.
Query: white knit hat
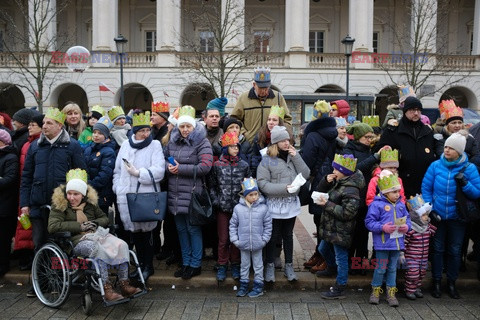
column 186, row 119
column 457, row 141
column 77, row 185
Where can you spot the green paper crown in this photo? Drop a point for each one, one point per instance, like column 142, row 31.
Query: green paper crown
column 277, row 111
column 99, row 109
column 389, row 156
column 372, row 121
column 55, row 114
column 115, row 112
column 187, row 111
column 77, row 174
column 141, row 119
column 388, row 183
column 346, row 162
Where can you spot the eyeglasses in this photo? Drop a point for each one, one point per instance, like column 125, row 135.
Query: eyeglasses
column 414, row 110
column 369, row 137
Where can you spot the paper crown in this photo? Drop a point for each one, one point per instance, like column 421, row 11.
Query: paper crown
column 106, row 122
column 454, row 112
column 262, row 75
column 229, row 139
column 77, row 174
column 372, row 121
column 389, row 158
column 341, row 122
column 249, row 185
column 445, row 105
column 388, row 182
column 160, row 106
column 99, row 109
column 187, row 111
column 55, row 114
column 277, row 111
column 115, row 112
column 415, row 202
column 345, row 163
column 141, row 119
column 319, row 108
column 404, row 92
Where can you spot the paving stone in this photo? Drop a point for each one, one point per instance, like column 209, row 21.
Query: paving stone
column 263, row 308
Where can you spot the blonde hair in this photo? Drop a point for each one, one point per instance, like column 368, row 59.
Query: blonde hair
column 272, row 150
column 72, row 106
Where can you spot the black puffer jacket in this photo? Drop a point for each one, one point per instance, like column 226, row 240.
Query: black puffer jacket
column 225, row 181
column 9, row 179
column 19, row 138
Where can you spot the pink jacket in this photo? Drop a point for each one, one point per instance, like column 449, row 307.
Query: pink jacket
column 372, row 187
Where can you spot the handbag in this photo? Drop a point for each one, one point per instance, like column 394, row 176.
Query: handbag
column 200, row 209
column 147, row 206
column 305, row 193
column 468, row 210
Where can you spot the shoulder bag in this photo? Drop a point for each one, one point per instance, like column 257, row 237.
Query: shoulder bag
column 200, row 209
column 468, row 210
column 147, row 206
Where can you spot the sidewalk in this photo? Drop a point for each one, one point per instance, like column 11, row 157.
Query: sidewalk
column 304, row 246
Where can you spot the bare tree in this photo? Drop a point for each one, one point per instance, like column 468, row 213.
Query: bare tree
column 33, row 35
column 222, row 52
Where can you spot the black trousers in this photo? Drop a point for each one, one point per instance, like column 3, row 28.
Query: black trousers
column 7, row 230
column 282, row 230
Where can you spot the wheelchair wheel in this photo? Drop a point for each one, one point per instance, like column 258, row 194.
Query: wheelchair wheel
column 87, row 304
column 51, row 275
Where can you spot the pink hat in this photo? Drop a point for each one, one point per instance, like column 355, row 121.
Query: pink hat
column 425, row 119
column 5, row 137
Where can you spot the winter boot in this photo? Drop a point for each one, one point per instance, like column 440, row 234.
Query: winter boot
column 111, row 294
column 270, row 272
column 336, row 292
column 289, row 272
column 243, row 290
column 235, row 271
column 391, row 299
column 314, row 260
column 452, row 290
column 320, row 266
column 410, row 295
column 418, row 293
column 329, row 272
column 375, row 296
column 127, row 290
column 221, row 273
column 436, row 288
column 257, row 289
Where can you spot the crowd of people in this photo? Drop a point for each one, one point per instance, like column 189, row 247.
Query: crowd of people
column 398, row 181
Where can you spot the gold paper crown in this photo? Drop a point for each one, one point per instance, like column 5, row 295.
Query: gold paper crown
column 141, row 119
column 277, row 111
column 372, row 121
column 77, row 174
column 160, row 106
column 115, row 112
column 346, row 162
column 453, row 112
column 99, row 109
column 388, row 183
column 55, row 114
column 187, row 111
column 445, row 105
column 229, row 139
column 389, row 157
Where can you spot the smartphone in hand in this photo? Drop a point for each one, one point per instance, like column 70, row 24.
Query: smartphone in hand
column 171, row 160
column 126, row 162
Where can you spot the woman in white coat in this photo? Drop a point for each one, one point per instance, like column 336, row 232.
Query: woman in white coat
column 143, row 154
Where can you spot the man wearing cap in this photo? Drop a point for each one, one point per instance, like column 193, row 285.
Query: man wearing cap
column 20, row 120
column 415, row 143
column 214, row 111
column 253, row 107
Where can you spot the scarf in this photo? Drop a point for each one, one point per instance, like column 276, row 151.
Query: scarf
column 212, row 132
column 268, row 138
column 81, row 217
column 141, row 144
column 283, row 154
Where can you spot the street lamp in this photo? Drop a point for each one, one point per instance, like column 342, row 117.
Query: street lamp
column 121, row 42
column 348, row 43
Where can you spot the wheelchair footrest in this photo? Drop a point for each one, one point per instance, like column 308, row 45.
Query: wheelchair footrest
column 113, row 303
column 142, row 293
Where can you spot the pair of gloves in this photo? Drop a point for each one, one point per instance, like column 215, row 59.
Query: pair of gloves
column 132, row 170
column 88, row 226
column 390, row 227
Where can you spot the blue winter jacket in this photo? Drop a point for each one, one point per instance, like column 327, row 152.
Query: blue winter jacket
column 380, row 212
column 439, row 186
column 100, row 160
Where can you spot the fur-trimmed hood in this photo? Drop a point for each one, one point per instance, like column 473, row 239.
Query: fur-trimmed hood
column 59, row 199
column 64, row 138
column 195, row 137
column 325, row 125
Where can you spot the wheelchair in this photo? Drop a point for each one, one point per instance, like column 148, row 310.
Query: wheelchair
column 54, row 273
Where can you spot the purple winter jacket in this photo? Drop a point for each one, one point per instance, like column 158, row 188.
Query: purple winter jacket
column 380, row 212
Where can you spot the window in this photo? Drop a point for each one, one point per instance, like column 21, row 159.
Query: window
column 206, row 41
column 1, row 40
column 375, row 42
column 150, row 41
column 316, row 41
column 262, row 41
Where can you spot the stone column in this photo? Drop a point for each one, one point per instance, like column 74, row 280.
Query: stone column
column 297, row 19
column 168, row 25
column 104, row 24
column 43, row 23
column 476, row 29
column 360, row 27
column 233, row 12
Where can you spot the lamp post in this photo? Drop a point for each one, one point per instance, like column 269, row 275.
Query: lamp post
column 121, row 42
column 348, row 43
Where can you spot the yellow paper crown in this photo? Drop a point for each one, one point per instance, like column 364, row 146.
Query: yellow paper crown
column 389, row 158
column 445, row 105
column 389, row 183
column 77, row 174
column 453, row 112
column 345, row 161
column 277, row 111
column 115, row 112
column 55, row 114
column 160, row 106
column 372, row 121
column 99, row 109
column 320, row 107
column 141, row 119
column 229, row 139
column 187, row 111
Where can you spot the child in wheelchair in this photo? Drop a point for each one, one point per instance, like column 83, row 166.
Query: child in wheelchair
column 75, row 209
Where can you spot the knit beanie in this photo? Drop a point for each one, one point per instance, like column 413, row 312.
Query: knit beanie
column 229, row 122
column 278, row 134
column 95, row 114
column 359, row 130
column 410, row 103
column 457, row 141
column 23, row 116
column 102, row 128
column 218, row 104
column 5, row 137
column 77, row 185
column 38, row 119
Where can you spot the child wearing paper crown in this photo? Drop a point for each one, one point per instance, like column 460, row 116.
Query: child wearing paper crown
column 388, row 220
column 225, row 181
column 337, row 222
column 388, row 161
column 417, row 242
column 250, row 231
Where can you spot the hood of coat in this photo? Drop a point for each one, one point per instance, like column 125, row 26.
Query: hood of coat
column 8, row 149
column 358, row 146
column 457, row 163
column 381, row 197
column 261, row 199
column 63, row 138
column 326, row 127
column 196, row 136
column 59, row 199
column 99, row 146
column 253, row 95
column 356, row 180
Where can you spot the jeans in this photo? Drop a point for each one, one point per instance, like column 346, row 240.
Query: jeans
column 190, row 238
column 449, row 236
column 226, row 250
column 282, row 229
column 335, row 254
column 386, row 264
column 248, row 258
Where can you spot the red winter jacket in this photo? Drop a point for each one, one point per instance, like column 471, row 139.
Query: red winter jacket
column 372, row 187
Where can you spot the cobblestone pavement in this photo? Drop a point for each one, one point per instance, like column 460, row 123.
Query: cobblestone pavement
column 165, row 303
